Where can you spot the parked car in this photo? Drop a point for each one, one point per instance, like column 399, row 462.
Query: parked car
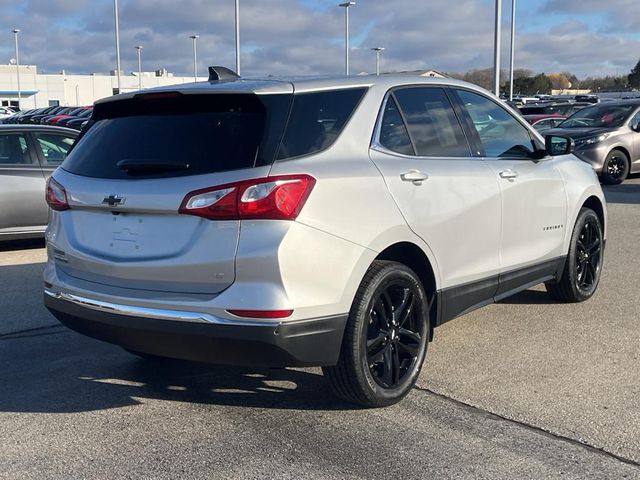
column 28, row 155
column 335, row 222
column 6, row 112
column 542, row 123
column 607, row 135
column 71, row 112
column 47, row 112
column 77, row 120
column 564, row 108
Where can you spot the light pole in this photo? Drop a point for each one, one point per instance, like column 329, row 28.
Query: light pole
column 15, row 32
column 117, row 25
column 496, row 48
column 195, row 57
column 378, row 51
column 346, row 6
column 238, row 37
column 513, row 48
column 139, row 49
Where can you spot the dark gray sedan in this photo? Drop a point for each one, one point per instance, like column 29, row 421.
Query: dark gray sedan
column 607, row 136
column 28, row 155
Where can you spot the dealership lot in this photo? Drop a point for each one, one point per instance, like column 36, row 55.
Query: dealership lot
column 526, row 388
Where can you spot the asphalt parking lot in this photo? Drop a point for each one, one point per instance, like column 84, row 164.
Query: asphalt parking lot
column 527, row 388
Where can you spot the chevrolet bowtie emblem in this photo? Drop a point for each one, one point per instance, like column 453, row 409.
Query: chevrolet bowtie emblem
column 113, row 200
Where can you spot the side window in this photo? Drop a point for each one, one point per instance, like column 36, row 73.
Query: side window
column 393, row 132
column 54, row 147
column 500, row 133
column 432, row 123
column 316, row 120
column 634, row 124
column 13, row 149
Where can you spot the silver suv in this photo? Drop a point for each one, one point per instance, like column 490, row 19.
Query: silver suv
column 607, row 136
column 326, row 222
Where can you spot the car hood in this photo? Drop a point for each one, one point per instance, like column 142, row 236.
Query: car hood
column 581, row 132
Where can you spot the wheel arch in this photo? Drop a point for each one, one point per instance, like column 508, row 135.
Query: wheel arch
column 415, row 258
column 596, row 205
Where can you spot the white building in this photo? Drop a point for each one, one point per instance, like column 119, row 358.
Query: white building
column 42, row 90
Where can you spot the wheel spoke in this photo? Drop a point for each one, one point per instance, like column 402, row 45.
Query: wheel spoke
column 410, row 349
column 374, row 343
column 395, row 358
column 403, row 332
column 594, row 247
column 404, row 310
column 381, row 313
column 388, row 305
column 387, row 366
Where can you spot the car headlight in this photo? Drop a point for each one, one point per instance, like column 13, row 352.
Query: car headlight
column 583, row 142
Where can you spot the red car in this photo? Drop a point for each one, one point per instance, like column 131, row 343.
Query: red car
column 71, row 113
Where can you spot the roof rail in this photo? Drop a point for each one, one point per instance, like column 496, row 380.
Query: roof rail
column 221, row 73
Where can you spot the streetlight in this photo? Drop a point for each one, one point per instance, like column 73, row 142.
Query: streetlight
column 195, row 56
column 378, row 50
column 513, row 48
column 115, row 15
column 346, row 6
column 238, row 37
column 139, row 49
column 15, row 32
column 496, row 48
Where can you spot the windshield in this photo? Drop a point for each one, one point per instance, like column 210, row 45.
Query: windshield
column 606, row 116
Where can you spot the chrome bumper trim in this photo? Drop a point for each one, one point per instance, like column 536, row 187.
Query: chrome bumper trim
column 154, row 313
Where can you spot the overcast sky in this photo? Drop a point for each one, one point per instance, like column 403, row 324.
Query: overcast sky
column 587, row 37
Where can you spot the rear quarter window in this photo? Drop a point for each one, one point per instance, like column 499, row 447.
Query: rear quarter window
column 316, row 120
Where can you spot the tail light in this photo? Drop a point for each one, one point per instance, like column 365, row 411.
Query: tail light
column 56, row 196
column 275, row 198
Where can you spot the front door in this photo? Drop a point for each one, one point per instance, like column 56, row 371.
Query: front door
column 534, row 203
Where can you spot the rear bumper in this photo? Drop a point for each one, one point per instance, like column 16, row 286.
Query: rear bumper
column 191, row 336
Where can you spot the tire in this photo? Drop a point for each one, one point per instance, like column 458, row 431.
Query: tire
column 385, row 339
column 615, row 168
column 583, row 265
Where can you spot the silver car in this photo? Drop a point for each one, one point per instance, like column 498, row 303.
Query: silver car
column 607, row 136
column 28, row 155
column 327, row 222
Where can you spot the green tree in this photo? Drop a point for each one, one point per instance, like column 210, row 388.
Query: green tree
column 532, row 85
column 634, row 76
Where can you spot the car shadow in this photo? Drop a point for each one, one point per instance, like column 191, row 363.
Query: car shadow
column 58, row 371
column 529, row 297
column 11, row 245
column 625, row 193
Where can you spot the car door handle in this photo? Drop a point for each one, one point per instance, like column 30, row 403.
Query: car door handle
column 509, row 174
column 415, row 176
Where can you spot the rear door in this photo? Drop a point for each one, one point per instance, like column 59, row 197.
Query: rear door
column 534, row 202
column 21, row 186
column 129, row 173
column 448, row 197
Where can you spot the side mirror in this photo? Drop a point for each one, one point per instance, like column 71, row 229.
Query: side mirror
column 636, row 127
column 557, row 145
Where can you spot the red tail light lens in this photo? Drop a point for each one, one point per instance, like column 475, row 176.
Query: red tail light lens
column 261, row 313
column 56, row 196
column 276, row 198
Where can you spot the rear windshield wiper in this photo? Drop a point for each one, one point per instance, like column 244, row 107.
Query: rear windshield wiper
column 142, row 166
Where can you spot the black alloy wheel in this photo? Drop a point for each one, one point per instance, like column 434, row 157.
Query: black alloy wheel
column 588, row 255
column 615, row 168
column 394, row 334
column 583, row 265
column 385, row 339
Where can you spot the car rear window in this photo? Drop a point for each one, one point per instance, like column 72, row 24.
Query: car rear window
column 169, row 134
column 316, row 120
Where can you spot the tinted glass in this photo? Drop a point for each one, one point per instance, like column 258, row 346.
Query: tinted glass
column 180, row 135
column 316, row 120
column 635, row 121
column 432, row 124
column 13, row 149
column 599, row 116
column 500, row 133
column 393, row 132
column 54, row 147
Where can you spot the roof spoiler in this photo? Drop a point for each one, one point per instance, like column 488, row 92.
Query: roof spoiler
column 221, row 73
